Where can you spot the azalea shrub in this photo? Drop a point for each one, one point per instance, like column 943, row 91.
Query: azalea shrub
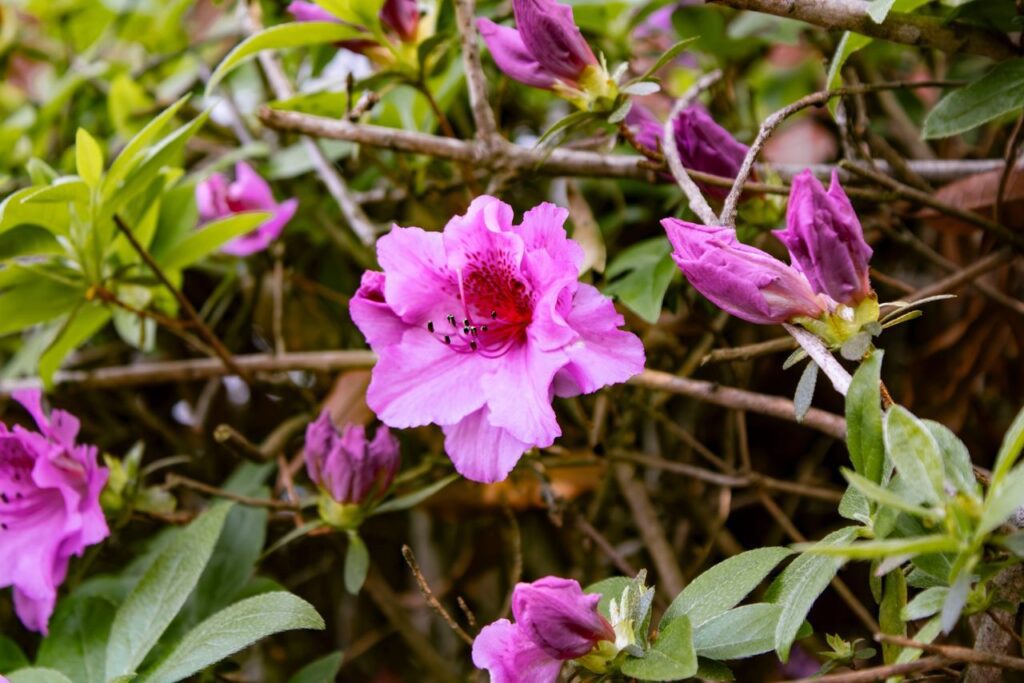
column 383, row 340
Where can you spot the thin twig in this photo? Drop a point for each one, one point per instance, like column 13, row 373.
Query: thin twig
column 774, row 120
column 925, row 199
column 205, row 332
column 740, row 353
column 428, row 595
column 176, row 480
column 235, row 442
column 962, row 277
column 956, row 653
column 476, row 82
column 1016, row 137
column 620, row 562
column 698, row 204
column 880, row 673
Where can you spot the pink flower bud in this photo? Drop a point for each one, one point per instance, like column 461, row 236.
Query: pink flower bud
column 740, row 279
column 825, row 239
column 345, row 464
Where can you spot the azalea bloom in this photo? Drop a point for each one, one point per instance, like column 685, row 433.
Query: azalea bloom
column 49, row 507
column 402, row 17
column 477, row 327
column 345, row 464
column 703, row 145
column 216, row 198
column 741, row 280
column 825, row 239
column 554, row 622
column 546, row 50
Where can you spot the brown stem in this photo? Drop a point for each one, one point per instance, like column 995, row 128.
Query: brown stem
column 956, row 653
column 176, row 480
column 428, row 595
column 1016, row 137
column 880, row 673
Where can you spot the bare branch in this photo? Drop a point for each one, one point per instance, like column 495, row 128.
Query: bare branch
column 698, row 204
column 823, row 357
column 483, row 115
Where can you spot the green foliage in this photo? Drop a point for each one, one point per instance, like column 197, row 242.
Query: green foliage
column 357, row 563
column 670, row 658
column 320, row 671
column 640, row 276
column 999, row 92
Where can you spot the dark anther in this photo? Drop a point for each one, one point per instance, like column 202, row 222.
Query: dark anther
column 3, row 497
column 472, row 345
column 447, row 339
column 465, row 322
column 494, row 315
column 3, row 526
column 484, row 328
column 451, row 320
column 465, row 330
column 430, row 326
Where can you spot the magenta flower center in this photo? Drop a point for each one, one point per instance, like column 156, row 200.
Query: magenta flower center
column 496, row 308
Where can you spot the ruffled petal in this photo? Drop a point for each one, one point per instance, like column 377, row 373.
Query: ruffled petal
column 421, row 380
column 504, row 650
column 418, row 286
column 550, row 34
column 604, row 354
column 372, row 315
column 479, row 450
column 518, row 393
column 263, row 236
column 212, row 197
column 250, row 191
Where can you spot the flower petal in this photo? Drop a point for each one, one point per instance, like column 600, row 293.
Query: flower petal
column 418, row 286
column 264, row 235
column 511, row 657
column 550, row 34
column 212, row 197
column 250, row 191
column 479, row 450
column 372, row 315
column 512, row 57
column 604, row 354
column 518, row 393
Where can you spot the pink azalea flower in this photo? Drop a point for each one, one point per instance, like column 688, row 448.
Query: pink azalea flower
column 476, row 328
column 347, row 465
column 216, row 198
column 555, row 622
column 49, row 507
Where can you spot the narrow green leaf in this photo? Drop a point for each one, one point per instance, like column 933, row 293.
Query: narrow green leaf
column 35, row 301
column 723, row 586
column 85, row 321
column 209, row 238
column 232, row 629
column 76, row 645
column 915, row 452
column 955, row 458
column 413, row 499
column 884, row 496
column 88, row 158
column 998, row 92
column 163, row 589
column 1013, row 442
column 805, row 390
column 292, row 34
column 848, row 44
column 664, row 59
column 741, row 632
column 925, row 604
column 11, row 656
column 357, row 563
column 890, row 612
column 670, row 658
column 322, row 670
column 919, row 545
column 879, row 9
column 1003, row 500
column 134, row 151
column 800, row 584
column 864, row 419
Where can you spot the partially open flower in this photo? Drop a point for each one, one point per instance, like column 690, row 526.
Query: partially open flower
column 217, row 198
column 345, row 464
column 547, row 50
column 554, row 622
column 825, row 239
column 703, row 145
column 476, row 328
column 740, row 279
column 49, row 507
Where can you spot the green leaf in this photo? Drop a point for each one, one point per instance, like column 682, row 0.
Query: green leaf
column 848, row 44
column 955, row 458
column 63, row 190
column 649, row 269
column 884, row 496
column 710, row 670
column 565, row 125
column 357, row 563
column 323, row 670
column 864, row 419
column 413, row 499
column 854, row 506
column 85, row 321
column 641, row 88
column 292, row 34
column 805, row 390
column 609, row 589
column 670, row 658
column 37, row 675
column 76, row 645
column 879, row 9
column 998, row 92
column 913, row 449
column 210, row 237
column 741, row 632
column 35, row 300
column 88, row 158
column 163, row 589
column 925, row 634
column 1013, row 442
column 232, row 629
column 723, row 586
column 919, row 545
column 890, row 612
column 1002, row 500
column 925, row 604
column 135, row 150
column 664, row 59
column 800, row 584
column 11, row 656
column 15, row 212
